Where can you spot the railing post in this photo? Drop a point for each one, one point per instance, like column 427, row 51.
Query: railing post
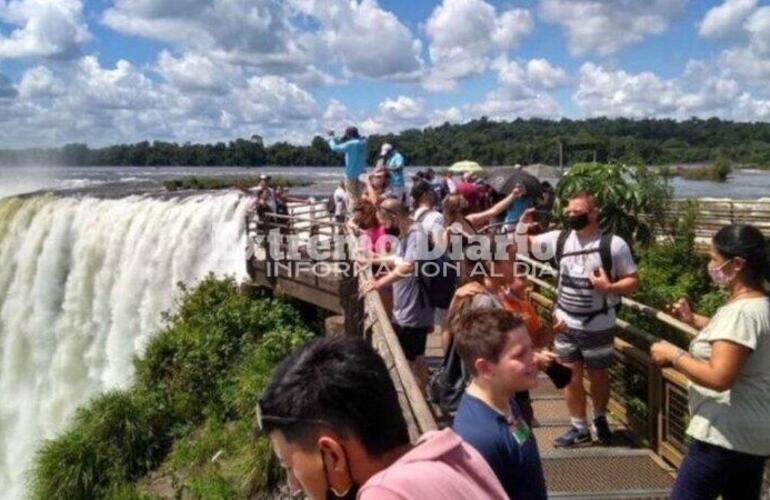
column 352, row 304
column 654, row 405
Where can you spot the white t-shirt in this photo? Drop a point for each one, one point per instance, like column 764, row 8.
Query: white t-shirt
column 575, row 292
column 340, row 198
column 739, row 418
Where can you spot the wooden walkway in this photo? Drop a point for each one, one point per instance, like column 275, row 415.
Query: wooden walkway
column 648, row 409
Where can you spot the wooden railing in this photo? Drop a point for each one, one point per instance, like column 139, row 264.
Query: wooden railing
column 337, row 292
column 713, row 214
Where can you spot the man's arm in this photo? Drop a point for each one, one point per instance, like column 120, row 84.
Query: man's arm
column 337, row 148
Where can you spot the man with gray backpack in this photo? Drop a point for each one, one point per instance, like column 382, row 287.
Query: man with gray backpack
column 595, row 270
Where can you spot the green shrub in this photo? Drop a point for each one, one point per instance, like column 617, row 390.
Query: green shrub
column 208, row 364
column 117, row 437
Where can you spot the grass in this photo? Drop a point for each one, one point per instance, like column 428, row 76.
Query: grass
column 212, row 183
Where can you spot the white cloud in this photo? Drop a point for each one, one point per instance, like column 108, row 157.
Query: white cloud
column 366, row 39
column 40, row 82
column 752, row 61
column 247, row 32
column 608, row 26
column 550, row 77
column 45, row 28
column 193, row 72
column 462, row 33
column 701, row 91
column 726, row 20
column 520, row 94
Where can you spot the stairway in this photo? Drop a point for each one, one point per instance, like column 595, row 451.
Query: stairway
column 623, row 470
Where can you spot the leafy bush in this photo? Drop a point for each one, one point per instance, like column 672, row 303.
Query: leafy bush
column 117, row 437
column 210, row 362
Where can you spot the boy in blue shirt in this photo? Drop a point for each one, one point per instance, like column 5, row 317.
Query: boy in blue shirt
column 495, row 346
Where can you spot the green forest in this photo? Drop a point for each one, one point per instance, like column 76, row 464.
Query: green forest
column 650, row 141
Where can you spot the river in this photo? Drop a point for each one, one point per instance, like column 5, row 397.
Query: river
column 118, row 181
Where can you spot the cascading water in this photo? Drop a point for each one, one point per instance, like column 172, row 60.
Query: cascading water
column 83, row 283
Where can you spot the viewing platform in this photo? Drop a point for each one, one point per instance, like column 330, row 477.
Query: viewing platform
column 648, row 407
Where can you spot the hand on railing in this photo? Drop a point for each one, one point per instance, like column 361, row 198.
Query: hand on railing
column 665, row 353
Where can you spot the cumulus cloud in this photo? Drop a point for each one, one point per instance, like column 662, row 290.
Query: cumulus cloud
column 248, row 32
column 751, row 62
column 88, row 102
column 40, row 82
column 44, row 28
column 368, row 40
column 726, row 20
column 195, row 73
column 541, row 72
column 462, row 33
column 521, row 92
column 701, row 91
column 608, row 26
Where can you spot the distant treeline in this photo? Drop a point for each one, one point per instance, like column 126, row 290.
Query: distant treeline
column 488, row 142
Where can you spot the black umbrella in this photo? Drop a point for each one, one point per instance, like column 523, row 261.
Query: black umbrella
column 503, row 180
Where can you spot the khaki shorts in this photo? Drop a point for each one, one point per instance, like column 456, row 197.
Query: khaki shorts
column 354, row 189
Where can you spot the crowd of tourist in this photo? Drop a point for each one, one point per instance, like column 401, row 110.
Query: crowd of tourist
column 332, row 412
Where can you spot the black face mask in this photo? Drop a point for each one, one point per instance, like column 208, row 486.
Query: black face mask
column 577, row 222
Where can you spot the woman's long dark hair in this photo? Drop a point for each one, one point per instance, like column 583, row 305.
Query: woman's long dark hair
column 748, row 243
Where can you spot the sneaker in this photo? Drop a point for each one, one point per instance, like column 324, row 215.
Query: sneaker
column 572, row 437
column 603, row 432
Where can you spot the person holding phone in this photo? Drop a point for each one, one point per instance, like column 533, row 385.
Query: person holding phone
column 727, row 365
column 595, row 269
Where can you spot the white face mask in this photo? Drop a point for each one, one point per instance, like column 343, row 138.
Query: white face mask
column 718, row 276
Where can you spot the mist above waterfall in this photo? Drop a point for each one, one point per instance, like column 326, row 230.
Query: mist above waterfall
column 83, row 283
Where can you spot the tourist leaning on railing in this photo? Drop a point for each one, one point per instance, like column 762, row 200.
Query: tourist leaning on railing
column 333, row 417
column 728, row 365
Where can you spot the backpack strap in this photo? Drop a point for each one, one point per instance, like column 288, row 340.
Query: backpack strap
column 605, row 252
column 561, row 240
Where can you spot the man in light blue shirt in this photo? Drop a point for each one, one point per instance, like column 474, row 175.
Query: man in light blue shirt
column 354, row 147
column 394, row 161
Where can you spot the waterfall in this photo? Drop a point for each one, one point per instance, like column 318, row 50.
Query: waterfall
column 83, row 283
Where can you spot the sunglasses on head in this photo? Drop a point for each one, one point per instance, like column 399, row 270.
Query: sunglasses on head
column 262, row 419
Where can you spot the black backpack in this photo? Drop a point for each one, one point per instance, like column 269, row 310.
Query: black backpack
column 438, row 280
column 605, row 253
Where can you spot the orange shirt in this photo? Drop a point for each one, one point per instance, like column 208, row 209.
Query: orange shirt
column 524, row 309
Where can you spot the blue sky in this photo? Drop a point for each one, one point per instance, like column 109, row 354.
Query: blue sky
column 106, row 71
